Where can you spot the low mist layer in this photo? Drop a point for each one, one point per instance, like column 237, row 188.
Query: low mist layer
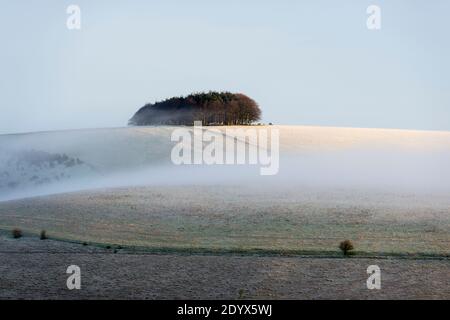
column 56, row 162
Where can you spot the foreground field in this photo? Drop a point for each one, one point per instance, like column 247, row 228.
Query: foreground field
column 241, row 219
column 35, row 269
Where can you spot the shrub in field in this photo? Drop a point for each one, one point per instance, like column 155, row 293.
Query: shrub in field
column 44, row 235
column 16, row 233
column 346, row 246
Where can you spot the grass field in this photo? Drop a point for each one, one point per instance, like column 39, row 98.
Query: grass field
column 207, row 218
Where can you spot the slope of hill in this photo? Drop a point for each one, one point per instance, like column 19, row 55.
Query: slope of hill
column 387, row 190
column 322, row 156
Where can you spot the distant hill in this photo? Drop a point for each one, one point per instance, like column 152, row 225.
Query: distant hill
column 212, row 108
column 43, row 163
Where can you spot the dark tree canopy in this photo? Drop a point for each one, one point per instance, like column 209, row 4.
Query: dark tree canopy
column 212, row 108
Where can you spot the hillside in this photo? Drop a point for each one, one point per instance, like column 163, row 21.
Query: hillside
column 322, row 156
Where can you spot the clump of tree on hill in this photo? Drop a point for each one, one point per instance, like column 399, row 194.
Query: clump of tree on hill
column 212, row 108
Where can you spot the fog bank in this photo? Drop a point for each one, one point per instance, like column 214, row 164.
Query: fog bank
column 311, row 157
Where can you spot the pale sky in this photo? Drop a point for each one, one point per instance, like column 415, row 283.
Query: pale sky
column 304, row 62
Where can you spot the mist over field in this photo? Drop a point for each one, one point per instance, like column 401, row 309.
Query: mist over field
column 317, row 157
column 117, row 191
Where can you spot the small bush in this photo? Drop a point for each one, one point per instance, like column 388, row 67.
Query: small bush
column 44, row 235
column 346, row 246
column 241, row 293
column 17, row 233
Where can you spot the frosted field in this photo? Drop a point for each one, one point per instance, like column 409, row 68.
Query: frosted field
column 386, row 190
column 240, row 219
column 33, row 269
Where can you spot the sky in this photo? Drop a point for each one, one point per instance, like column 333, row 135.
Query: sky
column 304, row 62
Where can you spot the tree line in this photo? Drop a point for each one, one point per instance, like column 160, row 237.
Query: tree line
column 212, row 108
